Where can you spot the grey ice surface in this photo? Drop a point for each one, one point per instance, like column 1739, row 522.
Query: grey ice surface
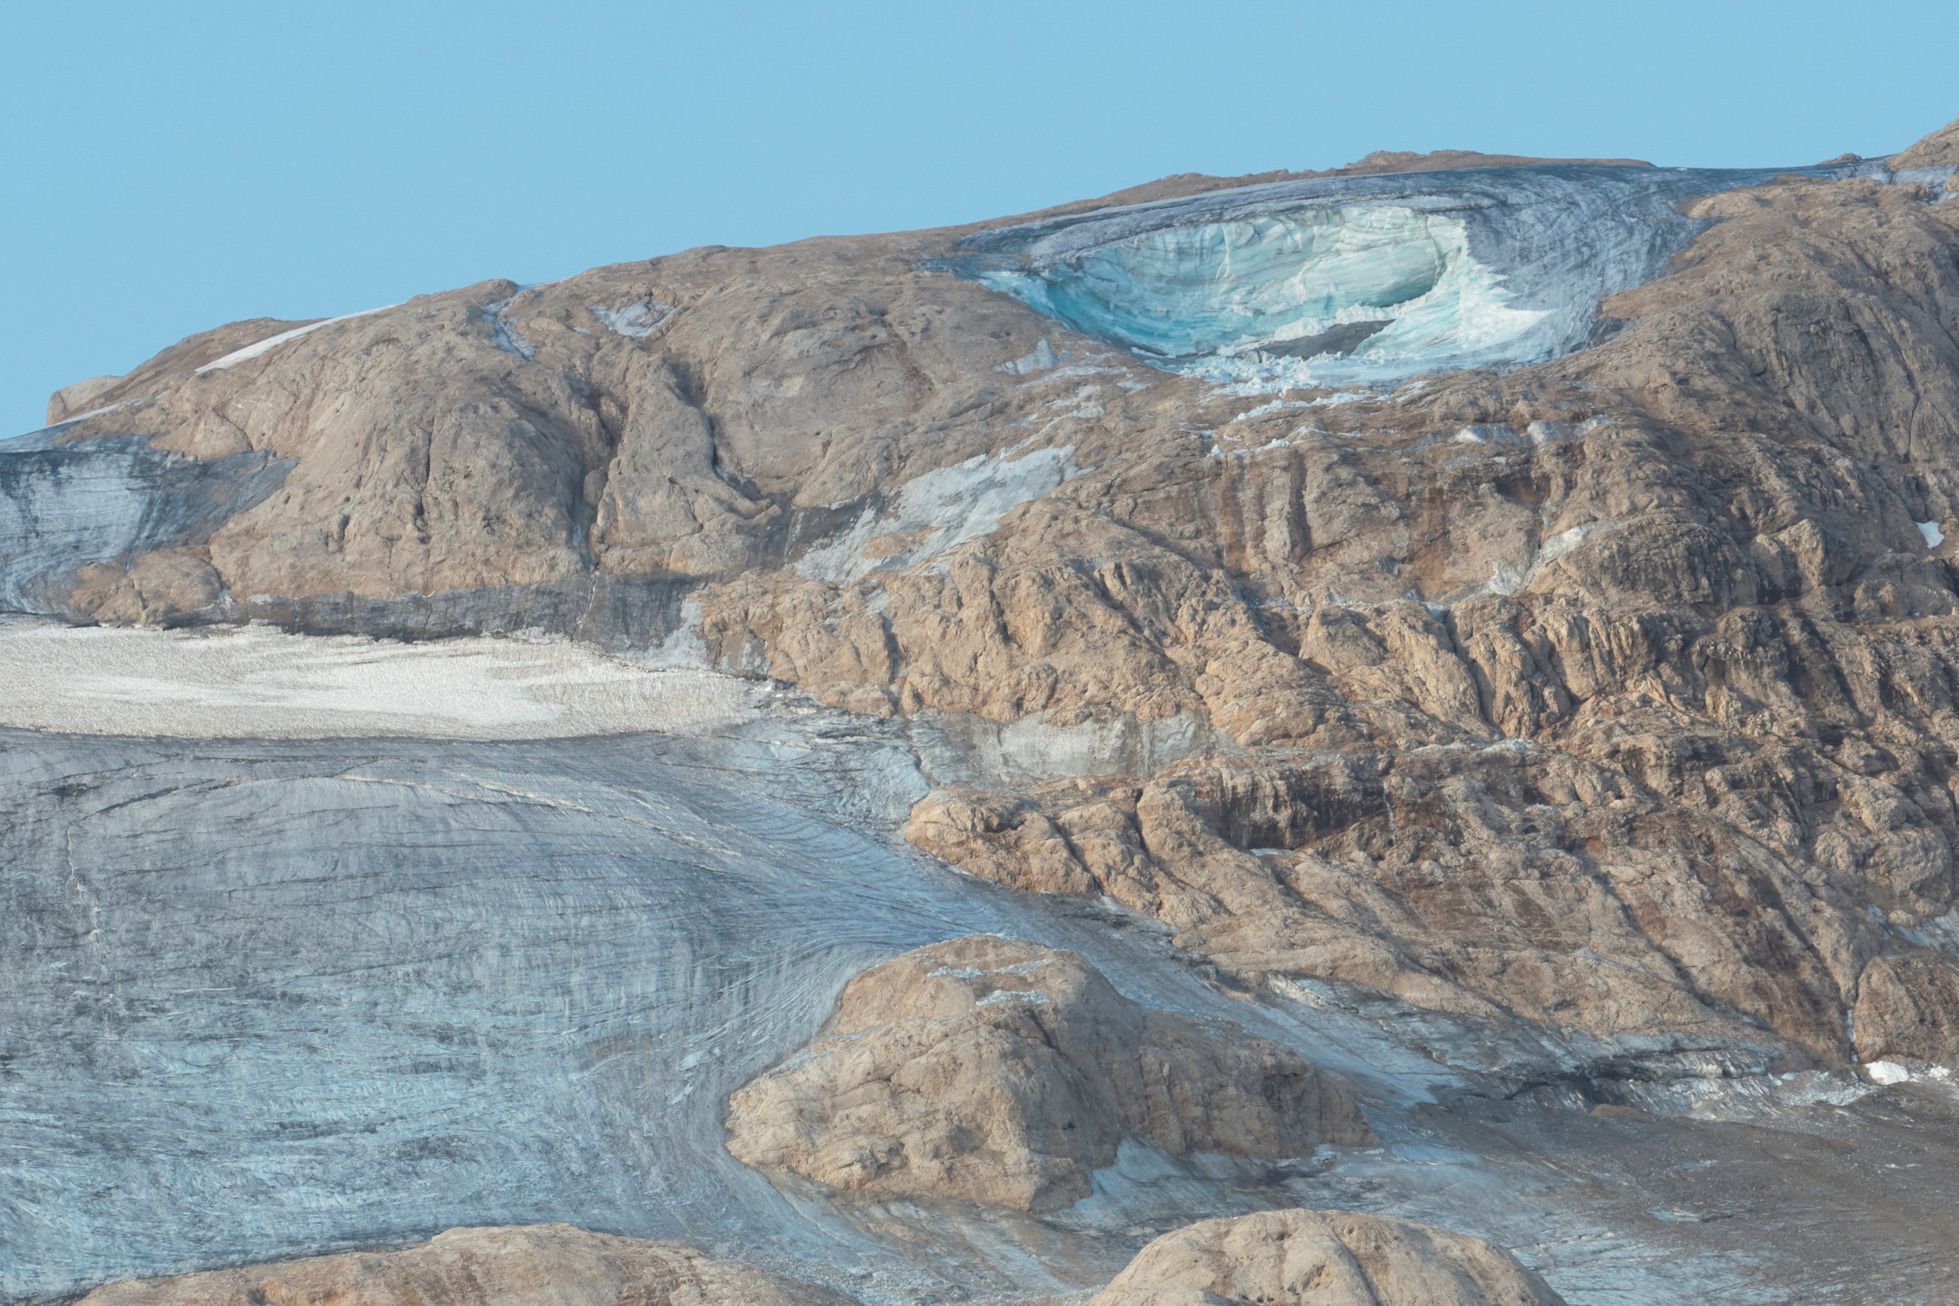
column 65, row 505
column 265, row 998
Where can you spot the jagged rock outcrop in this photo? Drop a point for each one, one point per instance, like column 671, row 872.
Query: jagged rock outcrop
column 1323, row 1258
column 550, row 1264
column 1001, row 1072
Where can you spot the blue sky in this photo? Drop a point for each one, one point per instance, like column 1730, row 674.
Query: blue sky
column 173, row 166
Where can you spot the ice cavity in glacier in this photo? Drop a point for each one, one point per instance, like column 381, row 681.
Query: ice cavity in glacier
column 1355, row 281
column 1378, row 285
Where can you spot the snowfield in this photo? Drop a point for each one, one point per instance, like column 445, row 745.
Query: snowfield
column 261, row 683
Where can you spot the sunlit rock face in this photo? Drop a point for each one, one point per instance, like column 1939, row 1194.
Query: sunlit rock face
column 1346, row 281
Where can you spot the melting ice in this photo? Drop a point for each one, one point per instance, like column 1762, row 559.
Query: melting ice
column 1346, row 281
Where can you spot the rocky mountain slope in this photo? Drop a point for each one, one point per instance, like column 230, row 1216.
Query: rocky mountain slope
column 1507, row 604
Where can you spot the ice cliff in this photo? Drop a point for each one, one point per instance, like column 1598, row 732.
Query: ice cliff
column 1359, row 280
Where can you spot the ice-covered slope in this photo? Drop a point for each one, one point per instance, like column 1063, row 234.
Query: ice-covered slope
column 63, row 506
column 1359, row 279
column 261, row 998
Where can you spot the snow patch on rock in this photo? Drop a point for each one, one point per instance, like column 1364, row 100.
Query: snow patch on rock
column 261, row 683
column 257, row 348
column 938, row 511
column 636, row 320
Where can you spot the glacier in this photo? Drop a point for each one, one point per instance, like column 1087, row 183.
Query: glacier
column 1360, row 280
column 265, row 997
column 63, row 506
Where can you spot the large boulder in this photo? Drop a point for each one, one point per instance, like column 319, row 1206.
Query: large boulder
column 1003, row 1072
column 1325, row 1258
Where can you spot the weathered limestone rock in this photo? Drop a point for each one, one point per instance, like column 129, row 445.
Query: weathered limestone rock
column 547, row 1265
column 150, row 590
column 1323, row 1258
column 1908, row 1009
column 1001, row 1072
column 71, row 401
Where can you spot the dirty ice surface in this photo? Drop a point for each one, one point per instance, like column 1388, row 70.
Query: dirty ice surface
column 938, row 510
column 63, row 506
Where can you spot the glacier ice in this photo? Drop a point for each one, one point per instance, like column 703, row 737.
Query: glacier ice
column 264, row 997
column 1385, row 280
column 63, row 506
column 1357, row 281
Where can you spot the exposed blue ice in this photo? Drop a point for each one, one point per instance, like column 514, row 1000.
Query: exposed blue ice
column 1346, row 281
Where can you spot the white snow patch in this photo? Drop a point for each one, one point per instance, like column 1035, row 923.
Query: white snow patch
column 261, row 683
column 638, row 319
column 253, row 350
column 1488, row 433
column 1271, row 406
column 508, row 338
column 943, row 508
column 1506, row 579
column 999, row 997
column 93, row 412
column 1933, row 535
column 1562, row 543
column 1887, row 1072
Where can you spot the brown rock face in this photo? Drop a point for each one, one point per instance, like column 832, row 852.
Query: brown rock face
column 1908, row 1009
column 1323, row 1258
column 1939, row 150
column 547, row 1265
column 151, row 590
column 1001, row 1072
